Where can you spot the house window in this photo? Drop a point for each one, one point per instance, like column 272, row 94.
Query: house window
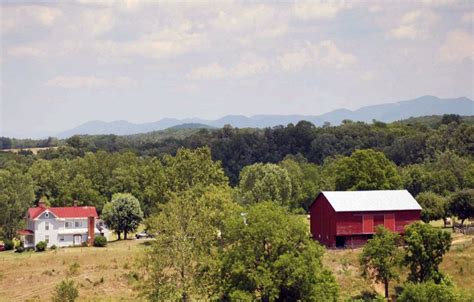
column 61, row 237
column 77, row 224
column 46, row 226
column 68, row 224
column 46, row 215
column 46, row 238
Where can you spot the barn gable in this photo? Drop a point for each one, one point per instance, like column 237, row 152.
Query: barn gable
column 351, row 218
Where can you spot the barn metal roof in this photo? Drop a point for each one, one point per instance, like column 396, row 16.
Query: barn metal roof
column 380, row 200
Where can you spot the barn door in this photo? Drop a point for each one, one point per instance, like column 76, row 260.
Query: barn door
column 389, row 222
column 368, row 224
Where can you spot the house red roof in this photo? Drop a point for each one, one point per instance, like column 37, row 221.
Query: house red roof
column 64, row 212
column 25, row 232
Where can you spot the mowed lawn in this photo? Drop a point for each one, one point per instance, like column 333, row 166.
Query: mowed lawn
column 103, row 274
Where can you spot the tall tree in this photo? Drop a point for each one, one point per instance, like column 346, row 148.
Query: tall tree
column 270, row 257
column 433, row 206
column 16, row 195
column 122, row 214
column 265, row 182
column 182, row 260
column 462, row 204
column 425, row 248
column 366, row 170
column 381, row 258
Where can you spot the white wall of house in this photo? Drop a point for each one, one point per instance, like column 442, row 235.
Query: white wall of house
column 60, row 231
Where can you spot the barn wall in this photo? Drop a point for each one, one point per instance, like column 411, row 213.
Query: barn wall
column 323, row 221
column 348, row 223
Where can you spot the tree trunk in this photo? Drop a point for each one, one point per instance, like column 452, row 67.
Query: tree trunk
column 386, row 288
column 125, row 235
column 118, row 235
column 444, row 221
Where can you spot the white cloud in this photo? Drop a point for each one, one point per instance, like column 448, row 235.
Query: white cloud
column 248, row 66
column 468, row 18
column 26, row 51
column 90, row 82
column 405, row 32
column 212, row 71
column 319, row 9
column 168, row 42
column 96, row 22
column 325, row 53
column 457, row 47
column 15, row 17
column 415, row 24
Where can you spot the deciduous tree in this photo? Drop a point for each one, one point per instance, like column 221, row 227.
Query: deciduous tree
column 122, row 214
column 381, row 258
column 425, row 248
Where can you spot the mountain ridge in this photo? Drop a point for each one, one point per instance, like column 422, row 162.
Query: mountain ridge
column 389, row 112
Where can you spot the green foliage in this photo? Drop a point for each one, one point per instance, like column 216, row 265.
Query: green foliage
column 366, row 170
column 66, row 291
column 425, row 248
column 8, row 244
column 100, row 241
column 20, row 249
column 123, row 214
column 265, row 182
column 381, row 258
column 73, row 269
column 462, row 204
column 53, row 247
column 16, row 195
column 183, row 259
column 429, row 292
column 41, row 246
column 433, row 206
column 271, row 257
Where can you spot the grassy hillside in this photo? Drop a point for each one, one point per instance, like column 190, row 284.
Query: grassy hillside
column 110, row 274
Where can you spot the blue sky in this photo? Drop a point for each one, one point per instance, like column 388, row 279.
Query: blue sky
column 66, row 63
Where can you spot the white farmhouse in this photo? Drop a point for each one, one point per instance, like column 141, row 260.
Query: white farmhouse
column 61, row 226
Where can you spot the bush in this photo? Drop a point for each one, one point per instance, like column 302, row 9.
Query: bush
column 66, row 291
column 41, row 246
column 100, row 241
column 84, row 244
column 53, row 247
column 9, row 245
column 20, row 249
column 429, row 292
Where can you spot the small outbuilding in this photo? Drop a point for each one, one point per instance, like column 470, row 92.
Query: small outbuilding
column 349, row 218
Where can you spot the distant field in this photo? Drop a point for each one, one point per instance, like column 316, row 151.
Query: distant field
column 33, row 150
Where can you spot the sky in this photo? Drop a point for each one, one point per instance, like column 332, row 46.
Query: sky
column 69, row 62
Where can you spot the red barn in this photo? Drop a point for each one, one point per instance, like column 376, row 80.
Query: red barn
column 348, row 219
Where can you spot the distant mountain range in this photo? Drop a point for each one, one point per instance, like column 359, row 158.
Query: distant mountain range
column 426, row 105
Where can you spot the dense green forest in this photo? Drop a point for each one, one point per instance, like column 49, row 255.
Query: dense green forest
column 197, row 184
column 289, row 164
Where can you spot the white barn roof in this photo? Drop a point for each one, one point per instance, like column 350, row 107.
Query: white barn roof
column 381, row 200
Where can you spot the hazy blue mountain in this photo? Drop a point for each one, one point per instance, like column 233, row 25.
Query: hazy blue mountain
column 423, row 106
column 191, row 126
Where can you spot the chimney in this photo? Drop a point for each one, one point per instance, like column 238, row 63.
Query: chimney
column 41, row 203
column 91, row 230
column 74, row 202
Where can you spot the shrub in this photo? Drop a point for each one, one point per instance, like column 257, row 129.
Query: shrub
column 66, row 291
column 41, row 246
column 429, row 292
column 100, row 241
column 20, row 249
column 9, row 245
column 53, row 247
column 73, row 269
column 84, row 244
